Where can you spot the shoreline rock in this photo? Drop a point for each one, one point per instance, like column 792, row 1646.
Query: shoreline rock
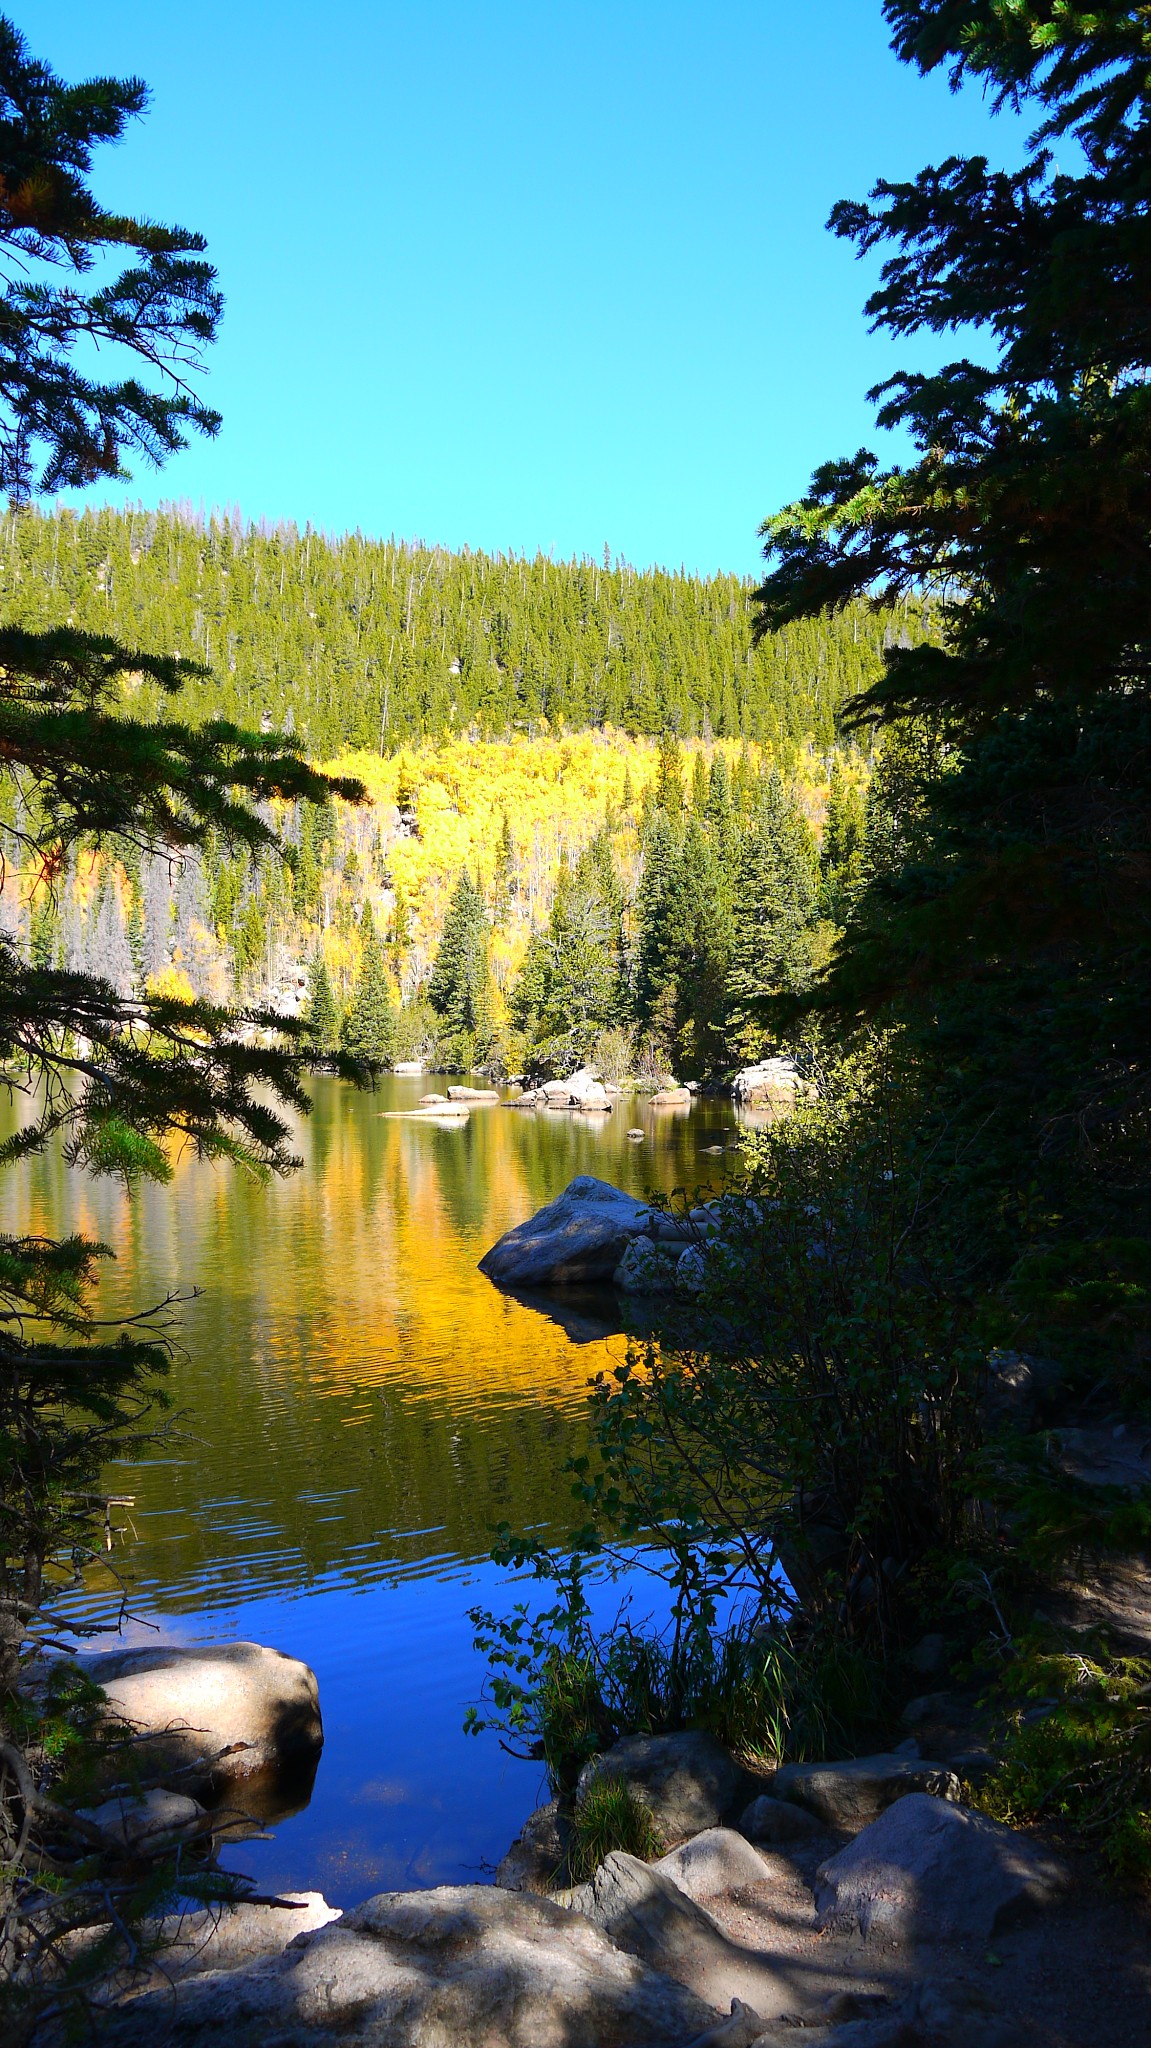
column 212, row 1711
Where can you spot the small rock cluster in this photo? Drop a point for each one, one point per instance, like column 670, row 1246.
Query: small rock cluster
column 582, row 1090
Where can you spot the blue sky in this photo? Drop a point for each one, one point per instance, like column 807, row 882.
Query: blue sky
column 521, row 276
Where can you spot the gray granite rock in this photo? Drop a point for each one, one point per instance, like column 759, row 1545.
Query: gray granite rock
column 688, row 1782
column 848, row 1795
column 930, row 1871
column 463, row 1966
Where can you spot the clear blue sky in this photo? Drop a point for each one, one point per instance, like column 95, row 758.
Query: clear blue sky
column 514, row 275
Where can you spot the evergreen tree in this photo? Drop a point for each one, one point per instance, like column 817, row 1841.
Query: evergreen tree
column 659, row 858
column 841, row 853
column 321, row 1011
column 569, row 989
column 459, row 989
column 369, row 1027
column 89, row 773
column 772, row 950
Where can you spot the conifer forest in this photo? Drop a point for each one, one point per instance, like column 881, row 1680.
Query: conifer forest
column 671, row 779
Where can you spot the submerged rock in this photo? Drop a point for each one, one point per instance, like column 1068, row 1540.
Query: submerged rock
column 930, row 1871
column 215, row 1710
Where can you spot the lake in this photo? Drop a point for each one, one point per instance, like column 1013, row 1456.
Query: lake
column 357, row 1407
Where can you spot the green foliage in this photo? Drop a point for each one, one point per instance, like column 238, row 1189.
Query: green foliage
column 569, row 1691
column 369, row 1028
column 1078, row 1750
column 610, row 1816
column 459, row 988
column 322, row 1015
column 356, row 643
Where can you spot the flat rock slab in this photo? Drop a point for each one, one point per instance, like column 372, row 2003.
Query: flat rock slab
column 194, row 1703
column 463, row 1966
column 930, row 1871
column 848, row 1795
column 644, row 1910
column 688, row 1782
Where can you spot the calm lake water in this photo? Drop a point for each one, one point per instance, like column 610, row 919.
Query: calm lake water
column 358, row 1407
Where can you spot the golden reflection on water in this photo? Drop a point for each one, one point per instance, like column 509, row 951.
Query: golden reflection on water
column 356, row 1400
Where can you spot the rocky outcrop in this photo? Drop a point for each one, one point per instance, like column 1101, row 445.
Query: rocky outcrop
column 213, row 1710
column 593, row 1231
column 582, row 1235
column 644, row 1911
column 717, row 1863
column 581, row 1090
column 930, row 1871
column 771, row 1083
column 687, row 1782
column 465, row 1966
column 849, row 1795
column 537, row 1859
column 671, row 1098
column 779, row 1822
column 477, row 1097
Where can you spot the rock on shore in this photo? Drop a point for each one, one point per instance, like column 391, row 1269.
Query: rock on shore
column 593, row 1231
column 214, row 1709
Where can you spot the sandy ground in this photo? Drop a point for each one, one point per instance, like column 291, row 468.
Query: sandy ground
column 1073, row 1975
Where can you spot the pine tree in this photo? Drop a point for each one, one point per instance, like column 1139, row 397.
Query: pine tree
column 772, row 950
column 459, row 989
column 1003, row 922
column 841, row 854
column 369, row 1027
column 321, row 1011
column 89, row 774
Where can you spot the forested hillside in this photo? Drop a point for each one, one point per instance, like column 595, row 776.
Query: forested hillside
column 533, row 866
column 375, row 644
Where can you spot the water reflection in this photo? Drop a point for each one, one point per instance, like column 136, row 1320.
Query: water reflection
column 357, row 1408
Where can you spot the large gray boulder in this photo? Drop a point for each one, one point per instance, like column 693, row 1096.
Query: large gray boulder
column 930, row 1871
column 771, row 1082
column 644, row 1910
column 212, row 1710
column 688, row 1782
column 582, row 1235
column 466, row 1966
column 849, row 1795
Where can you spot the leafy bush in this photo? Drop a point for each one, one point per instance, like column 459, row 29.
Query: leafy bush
column 1078, row 1750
